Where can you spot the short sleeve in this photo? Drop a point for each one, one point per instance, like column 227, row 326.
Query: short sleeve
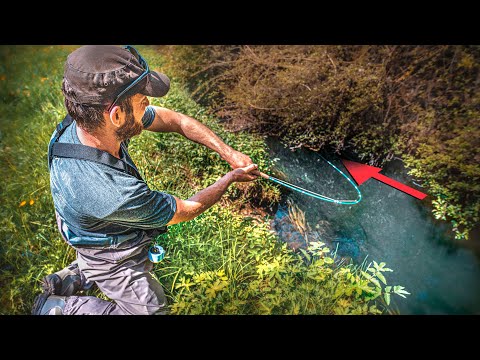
column 148, row 117
column 142, row 208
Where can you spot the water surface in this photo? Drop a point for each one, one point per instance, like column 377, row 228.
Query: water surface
column 387, row 225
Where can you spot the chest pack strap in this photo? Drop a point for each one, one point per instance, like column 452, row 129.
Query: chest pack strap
column 84, row 152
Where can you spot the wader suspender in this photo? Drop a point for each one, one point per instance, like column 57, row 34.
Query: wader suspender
column 84, row 152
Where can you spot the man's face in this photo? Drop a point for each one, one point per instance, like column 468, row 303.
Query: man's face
column 133, row 119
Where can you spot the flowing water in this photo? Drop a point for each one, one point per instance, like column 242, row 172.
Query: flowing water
column 387, row 225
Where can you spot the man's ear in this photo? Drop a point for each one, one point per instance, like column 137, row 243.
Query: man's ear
column 116, row 116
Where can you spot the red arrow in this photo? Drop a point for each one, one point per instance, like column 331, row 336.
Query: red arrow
column 362, row 172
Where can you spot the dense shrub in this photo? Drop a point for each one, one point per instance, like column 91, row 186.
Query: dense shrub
column 418, row 103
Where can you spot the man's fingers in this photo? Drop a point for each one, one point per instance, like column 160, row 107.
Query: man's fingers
column 251, row 167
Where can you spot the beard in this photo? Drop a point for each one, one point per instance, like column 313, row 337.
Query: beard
column 129, row 129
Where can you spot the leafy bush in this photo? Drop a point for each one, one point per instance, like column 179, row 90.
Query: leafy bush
column 418, row 103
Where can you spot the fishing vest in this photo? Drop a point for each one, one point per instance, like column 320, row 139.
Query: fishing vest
column 84, row 152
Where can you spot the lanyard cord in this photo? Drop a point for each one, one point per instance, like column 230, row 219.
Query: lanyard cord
column 315, row 195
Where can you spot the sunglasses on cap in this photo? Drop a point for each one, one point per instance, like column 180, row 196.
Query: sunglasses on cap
column 146, row 71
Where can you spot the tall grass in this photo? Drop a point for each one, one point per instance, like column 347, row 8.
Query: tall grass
column 221, row 262
column 31, row 105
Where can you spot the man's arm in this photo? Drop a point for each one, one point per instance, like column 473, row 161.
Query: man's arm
column 171, row 121
column 201, row 201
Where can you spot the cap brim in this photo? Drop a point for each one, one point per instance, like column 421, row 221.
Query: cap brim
column 157, row 85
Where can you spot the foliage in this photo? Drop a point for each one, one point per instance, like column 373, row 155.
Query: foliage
column 30, row 107
column 417, row 103
column 241, row 268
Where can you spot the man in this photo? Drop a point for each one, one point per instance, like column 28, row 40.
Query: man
column 104, row 209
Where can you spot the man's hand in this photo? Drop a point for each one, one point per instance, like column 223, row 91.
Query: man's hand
column 245, row 174
column 238, row 160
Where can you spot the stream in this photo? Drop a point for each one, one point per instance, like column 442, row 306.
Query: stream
column 386, row 226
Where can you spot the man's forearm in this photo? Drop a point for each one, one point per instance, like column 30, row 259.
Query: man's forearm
column 211, row 194
column 202, row 200
column 194, row 130
column 171, row 121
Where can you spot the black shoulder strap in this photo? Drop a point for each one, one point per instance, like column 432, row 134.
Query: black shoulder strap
column 59, row 131
column 83, row 152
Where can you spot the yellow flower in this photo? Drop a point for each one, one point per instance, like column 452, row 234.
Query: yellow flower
column 343, row 303
column 23, row 203
column 31, row 202
column 43, row 79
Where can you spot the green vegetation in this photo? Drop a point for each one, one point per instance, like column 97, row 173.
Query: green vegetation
column 221, row 262
column 418, row 103
column 242, row 269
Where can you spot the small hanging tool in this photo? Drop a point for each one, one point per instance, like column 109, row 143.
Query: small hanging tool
column 156, row 253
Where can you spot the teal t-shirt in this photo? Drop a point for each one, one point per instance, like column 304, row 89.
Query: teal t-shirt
column 101, row 205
